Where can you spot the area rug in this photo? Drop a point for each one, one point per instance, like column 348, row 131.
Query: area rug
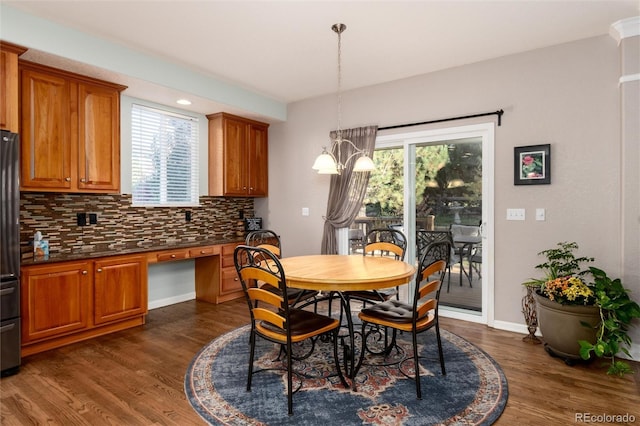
column 473, row 392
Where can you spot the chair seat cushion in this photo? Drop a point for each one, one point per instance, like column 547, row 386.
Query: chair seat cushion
column 304, row 323
column 374, row 296
column 293, row 294
column 391, row 310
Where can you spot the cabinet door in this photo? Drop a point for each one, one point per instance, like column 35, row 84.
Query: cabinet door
column 120, row 288
column 56, row 300
column 9, row 90
column 98, row 138
column 46, row 137
column 258, row 161
column 235, row 157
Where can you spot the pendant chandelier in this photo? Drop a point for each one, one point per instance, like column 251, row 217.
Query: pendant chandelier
column 327, row 162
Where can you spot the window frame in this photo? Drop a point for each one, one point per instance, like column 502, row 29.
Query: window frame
column 195, row 155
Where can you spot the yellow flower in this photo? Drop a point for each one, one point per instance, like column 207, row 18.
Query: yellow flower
column 568, row 289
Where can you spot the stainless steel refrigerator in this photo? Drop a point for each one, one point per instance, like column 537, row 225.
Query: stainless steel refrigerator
column 10, row 254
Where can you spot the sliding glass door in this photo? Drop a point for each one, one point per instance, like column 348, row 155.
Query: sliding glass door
column 440, row 182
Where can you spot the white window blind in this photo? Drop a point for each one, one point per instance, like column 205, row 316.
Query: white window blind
column 164, row 158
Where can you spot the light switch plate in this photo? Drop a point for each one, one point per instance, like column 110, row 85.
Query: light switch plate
column 515, row 214
column 305, row 211
column 540, row 214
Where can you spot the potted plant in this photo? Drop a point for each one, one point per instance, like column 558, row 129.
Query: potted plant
column 579, row 318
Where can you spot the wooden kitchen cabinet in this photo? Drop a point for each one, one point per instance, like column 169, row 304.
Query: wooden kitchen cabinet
column 67, row 302
column 70, row 131
column 56, row 300
column 238, row 157
column 120, row 288
column 9, row 87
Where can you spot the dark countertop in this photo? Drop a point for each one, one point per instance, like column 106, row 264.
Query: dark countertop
column 92, row 252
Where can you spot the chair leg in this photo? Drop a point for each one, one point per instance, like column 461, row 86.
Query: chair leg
column 440, row 354
column 289, row 380
column 252, row 346
column 416, row 365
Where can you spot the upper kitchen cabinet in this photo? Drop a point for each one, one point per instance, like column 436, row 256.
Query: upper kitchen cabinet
column 70, row 131
column 9, row 88
column 238, row 159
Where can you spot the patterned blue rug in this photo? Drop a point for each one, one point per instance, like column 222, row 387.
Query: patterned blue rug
column 474, row 391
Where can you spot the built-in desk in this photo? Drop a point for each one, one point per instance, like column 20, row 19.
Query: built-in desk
column 215, row 274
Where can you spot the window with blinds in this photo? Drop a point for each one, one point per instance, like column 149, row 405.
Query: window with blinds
column 164, row 158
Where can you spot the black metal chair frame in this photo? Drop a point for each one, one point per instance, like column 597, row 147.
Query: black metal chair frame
column 458, row 253
column 270, row 240
column 282, row 324
column 419, row 316
column 378, row 241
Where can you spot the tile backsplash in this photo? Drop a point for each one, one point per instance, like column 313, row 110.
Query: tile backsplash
column 120, row 225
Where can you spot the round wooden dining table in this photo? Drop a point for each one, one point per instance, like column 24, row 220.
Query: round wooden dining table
column 345, row 272
column 342, row 273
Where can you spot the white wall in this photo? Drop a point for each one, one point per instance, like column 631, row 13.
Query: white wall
column 565, row 95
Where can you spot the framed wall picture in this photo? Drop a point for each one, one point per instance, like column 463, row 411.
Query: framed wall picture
column 532, row 165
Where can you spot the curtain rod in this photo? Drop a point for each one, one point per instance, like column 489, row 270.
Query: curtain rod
column 498, row 113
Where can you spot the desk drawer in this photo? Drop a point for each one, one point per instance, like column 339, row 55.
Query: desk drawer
column 172, row 255
column 227, row 255
column 229, row 281
column 204, row 251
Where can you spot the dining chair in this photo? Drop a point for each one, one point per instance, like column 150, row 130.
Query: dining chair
column 424, row 238
column 416, row 317
column 265, row 238
column 270, row 240
column 387, row 242
column 463, row 250
column 272, row 316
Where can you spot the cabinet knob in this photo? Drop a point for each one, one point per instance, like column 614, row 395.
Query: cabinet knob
column 202, row 252
column 236, row 279
column 84, row 272
column 68, row 179
column 83, row 180
column 99, row 270
column 173, row 256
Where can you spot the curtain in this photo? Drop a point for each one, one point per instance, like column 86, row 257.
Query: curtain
column 347, row 190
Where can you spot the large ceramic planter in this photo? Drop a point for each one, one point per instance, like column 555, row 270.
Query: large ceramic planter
column 561, row 327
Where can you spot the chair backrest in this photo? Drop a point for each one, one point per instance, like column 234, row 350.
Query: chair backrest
column 384, row 242
column 254, row 264
column 424, row 238
column 265, row 238
column 433, row 262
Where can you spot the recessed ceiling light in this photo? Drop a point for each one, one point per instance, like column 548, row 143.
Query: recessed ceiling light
column 184, row 101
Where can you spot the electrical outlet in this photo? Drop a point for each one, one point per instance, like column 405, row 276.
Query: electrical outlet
column 515, row 214
column 93, row 218
column 81, row 219
column 305, row 211
column 187, row 216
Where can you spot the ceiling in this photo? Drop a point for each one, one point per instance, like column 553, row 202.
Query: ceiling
column 285, row 50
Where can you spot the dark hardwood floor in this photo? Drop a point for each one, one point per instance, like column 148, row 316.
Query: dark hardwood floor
column 135, row 377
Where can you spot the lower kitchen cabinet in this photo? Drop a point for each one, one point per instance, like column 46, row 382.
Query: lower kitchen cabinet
column 120, row 288
column 56, row 300
column 71, row 301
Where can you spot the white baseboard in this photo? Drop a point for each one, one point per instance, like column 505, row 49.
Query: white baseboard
column 153, row 304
